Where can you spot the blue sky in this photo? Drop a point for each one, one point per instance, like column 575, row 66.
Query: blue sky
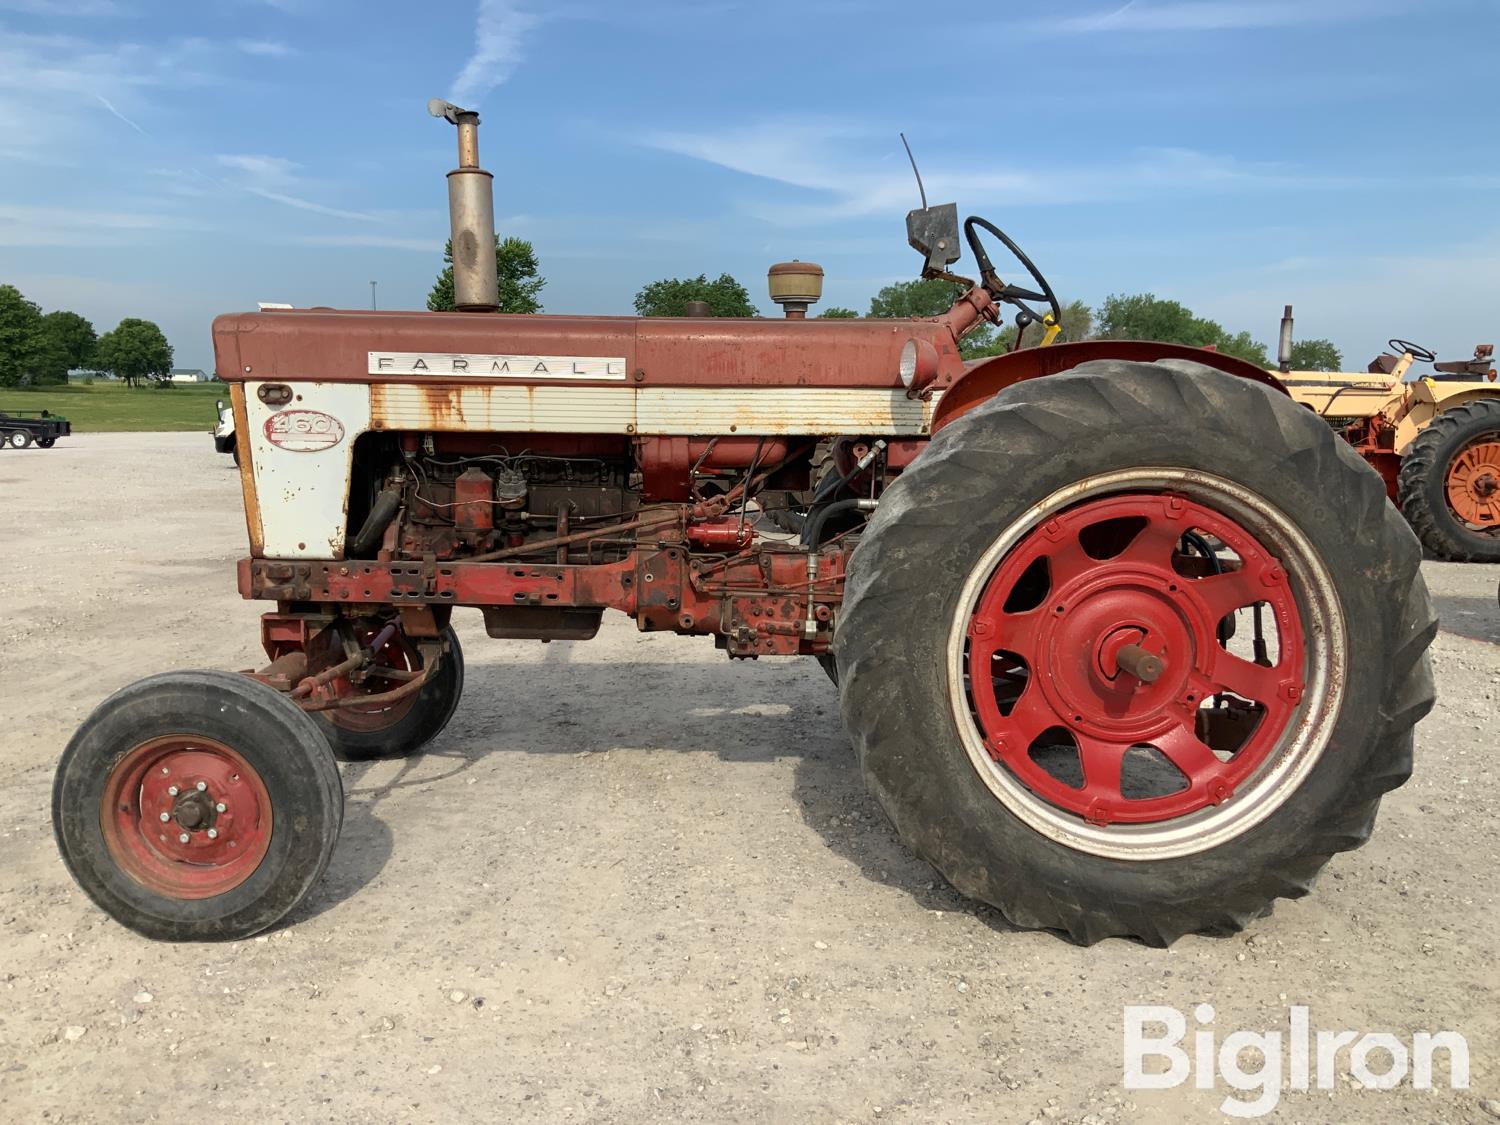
column 177, row 160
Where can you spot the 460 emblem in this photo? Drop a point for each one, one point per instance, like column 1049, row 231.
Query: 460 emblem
column 304, row 431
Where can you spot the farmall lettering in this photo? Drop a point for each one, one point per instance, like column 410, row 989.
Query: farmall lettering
column 607, row 368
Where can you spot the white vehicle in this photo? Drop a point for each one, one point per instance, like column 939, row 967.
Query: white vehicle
column 224, row 431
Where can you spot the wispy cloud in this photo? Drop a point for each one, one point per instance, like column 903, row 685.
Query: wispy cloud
column 24, row 225
column 381, row 241
column 1225, row 15
column 264, row 48
column 499, row 30
column 78, row 8
column 109, row 105
column 858, row 173
column 308, row 205
column 262, row 168
column 275, row 178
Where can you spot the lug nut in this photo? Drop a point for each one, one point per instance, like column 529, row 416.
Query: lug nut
column 171, row 790
column 202, row 785
column 220, row 807
column 213, row 833
column 182, row 839
column 165, row 817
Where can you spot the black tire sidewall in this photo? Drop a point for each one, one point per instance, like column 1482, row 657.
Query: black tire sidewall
column 274, row 737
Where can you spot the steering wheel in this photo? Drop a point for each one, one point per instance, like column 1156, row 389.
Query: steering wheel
column 1420, row 354
column 991, row 280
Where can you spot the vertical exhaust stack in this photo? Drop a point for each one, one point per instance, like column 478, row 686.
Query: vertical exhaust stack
column 1284, row 348
column 471, row 213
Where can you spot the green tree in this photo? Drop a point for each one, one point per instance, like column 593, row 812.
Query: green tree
column 834, row 312
column 1144, row 316
column 74, row 334
column 1077, row 324
column 28, row 353
column 669, row 296
column 135, row 350
column 925, row 297
column 1244, row 347
column 20, row 322
column 1316, row 355
column 516, row 267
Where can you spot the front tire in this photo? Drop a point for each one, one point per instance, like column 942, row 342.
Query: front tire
column 197, row 806
column 988, row 607
column 45, row 443
column 400, row 729
column 1449, row 488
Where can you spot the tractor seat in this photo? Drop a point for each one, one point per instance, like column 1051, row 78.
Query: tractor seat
column 1480, row 367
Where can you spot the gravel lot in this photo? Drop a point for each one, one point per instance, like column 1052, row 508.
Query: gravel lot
column 632, row 882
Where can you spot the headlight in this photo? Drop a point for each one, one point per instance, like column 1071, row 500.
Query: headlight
column 908, row 365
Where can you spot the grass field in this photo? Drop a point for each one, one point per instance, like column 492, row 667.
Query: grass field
column 104, row 407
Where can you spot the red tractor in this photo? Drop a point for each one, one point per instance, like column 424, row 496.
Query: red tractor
column 1128, row 642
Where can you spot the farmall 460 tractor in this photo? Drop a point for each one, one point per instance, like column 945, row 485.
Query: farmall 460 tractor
column 1128, row 642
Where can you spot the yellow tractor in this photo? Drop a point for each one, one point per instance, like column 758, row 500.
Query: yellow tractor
column 1434, row 438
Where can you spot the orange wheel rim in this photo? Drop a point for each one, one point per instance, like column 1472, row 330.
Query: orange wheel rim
column 1473, row 484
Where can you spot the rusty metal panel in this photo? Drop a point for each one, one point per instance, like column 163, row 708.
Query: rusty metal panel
column 782, row 410
column 336, row 346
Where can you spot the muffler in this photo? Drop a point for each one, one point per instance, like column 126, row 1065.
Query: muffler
column 471, row 214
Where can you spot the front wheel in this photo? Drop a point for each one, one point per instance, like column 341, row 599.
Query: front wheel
column 395, row 730
column 1177, row 667
column 197, row 806
column 45, row 442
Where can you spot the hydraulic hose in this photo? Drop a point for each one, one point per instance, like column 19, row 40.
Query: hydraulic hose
column 382, row 512
column 812, row 530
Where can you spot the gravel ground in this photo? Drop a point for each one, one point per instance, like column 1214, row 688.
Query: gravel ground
column 632, row 882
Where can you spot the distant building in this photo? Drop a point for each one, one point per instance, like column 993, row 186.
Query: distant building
column 190, row 375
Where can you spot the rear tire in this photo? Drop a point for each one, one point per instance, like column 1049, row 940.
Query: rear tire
column 258, row 833
column 405, row 729
column 1036, row 849
column 18, row 439
column 1433, row 477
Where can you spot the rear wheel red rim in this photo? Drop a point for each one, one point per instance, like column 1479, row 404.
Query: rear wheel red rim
column 1115, row 577
column 186, row 817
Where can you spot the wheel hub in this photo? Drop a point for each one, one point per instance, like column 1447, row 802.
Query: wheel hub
column 186, row 817
column 1091, row 622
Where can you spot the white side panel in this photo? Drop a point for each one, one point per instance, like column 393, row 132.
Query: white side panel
column 650, row 410
column 302, row 495
column 502, row 409
column 780, row 410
